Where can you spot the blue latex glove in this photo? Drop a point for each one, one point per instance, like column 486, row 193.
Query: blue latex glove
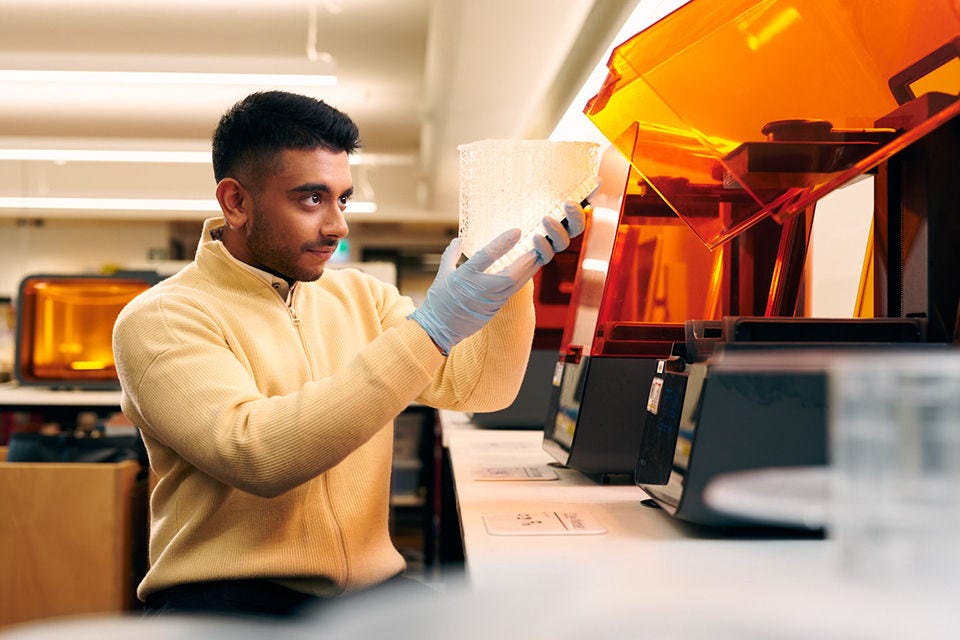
column 559, row 234
column 553, row 238
column 462, row 300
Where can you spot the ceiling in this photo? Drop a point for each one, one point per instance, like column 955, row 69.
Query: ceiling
column 419, row 76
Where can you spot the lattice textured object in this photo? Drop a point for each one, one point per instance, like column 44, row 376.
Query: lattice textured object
column 508, row 184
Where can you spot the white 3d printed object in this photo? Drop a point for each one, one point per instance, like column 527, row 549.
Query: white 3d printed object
column 506, row 184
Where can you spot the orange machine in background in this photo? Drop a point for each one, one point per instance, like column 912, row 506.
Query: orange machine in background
column 642, row 274
column 740, row 110
column 734, row 119
column 65, row 328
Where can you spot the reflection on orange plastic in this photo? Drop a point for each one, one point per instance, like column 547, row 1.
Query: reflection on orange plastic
column 552, row 287
column 659, row 276
column 739, row 110
column 66, row 327
column 641, row 273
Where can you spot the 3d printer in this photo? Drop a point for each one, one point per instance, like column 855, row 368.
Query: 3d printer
column 737, row 118
column 65, row 328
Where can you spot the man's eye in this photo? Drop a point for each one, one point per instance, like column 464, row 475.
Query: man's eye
column 314, row 198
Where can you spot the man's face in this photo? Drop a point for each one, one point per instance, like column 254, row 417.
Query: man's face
column 298, row 213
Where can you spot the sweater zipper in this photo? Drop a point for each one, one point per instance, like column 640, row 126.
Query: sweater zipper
column 298, row 325
column 295, row 318
column 344, row 556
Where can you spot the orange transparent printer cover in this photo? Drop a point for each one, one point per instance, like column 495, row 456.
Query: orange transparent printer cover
column 738, row 110
column 65, row 328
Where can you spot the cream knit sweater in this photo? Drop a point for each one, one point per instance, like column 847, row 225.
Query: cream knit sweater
column 270, row 427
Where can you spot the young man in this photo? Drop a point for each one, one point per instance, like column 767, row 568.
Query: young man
column 265, row 387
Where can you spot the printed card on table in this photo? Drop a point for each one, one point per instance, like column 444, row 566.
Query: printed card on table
column 513, row 473
column 553, row 522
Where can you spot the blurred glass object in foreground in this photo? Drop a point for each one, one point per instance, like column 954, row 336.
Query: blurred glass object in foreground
column 895, row 453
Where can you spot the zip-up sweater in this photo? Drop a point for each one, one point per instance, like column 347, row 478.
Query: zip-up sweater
column 269, row 426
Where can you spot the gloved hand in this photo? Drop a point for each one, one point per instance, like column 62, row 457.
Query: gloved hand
column 559, row 234
column 462, row 300
column 556, row 238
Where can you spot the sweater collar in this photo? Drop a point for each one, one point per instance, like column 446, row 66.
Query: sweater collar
column 211, row 237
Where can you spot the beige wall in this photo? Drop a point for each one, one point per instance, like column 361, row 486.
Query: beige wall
column 63, row 246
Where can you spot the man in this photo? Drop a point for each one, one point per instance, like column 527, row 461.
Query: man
column 265, row 387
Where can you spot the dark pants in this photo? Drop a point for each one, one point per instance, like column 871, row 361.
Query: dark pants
column 249, row 597
column 255, row 597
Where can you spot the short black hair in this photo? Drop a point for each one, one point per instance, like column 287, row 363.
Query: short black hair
column 252, row 133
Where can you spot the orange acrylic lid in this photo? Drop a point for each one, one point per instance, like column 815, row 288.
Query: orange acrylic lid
column 738, row 110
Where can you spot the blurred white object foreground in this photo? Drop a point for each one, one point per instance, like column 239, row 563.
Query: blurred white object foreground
column 715, row 591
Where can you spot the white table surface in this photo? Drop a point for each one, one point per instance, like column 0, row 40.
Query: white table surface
column 12, row 394
column 647, row 563
column 617, row 508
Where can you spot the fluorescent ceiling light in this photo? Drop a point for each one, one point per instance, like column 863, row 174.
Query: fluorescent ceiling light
column 167, row 78
column 110, row 204
column 169, row 156
column 137, row 204
column 106, row 155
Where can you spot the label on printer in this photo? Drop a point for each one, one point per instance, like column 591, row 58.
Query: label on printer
column 653, row 400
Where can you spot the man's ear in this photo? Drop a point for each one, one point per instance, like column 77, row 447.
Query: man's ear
column 235, row 203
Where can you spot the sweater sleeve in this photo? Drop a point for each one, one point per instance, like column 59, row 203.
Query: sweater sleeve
column 266, row 424
column 484, row 372
column 188, row 391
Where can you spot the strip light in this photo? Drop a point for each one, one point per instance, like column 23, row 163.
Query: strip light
column 153, row 156
column 110, row 204
column 167, row 156
column 106, row 155
column 138, row 204
column 167, row 78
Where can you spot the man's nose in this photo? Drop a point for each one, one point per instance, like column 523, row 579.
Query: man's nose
column 335, row 224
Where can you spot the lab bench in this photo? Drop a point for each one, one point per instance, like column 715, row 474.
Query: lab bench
column 531, row 530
